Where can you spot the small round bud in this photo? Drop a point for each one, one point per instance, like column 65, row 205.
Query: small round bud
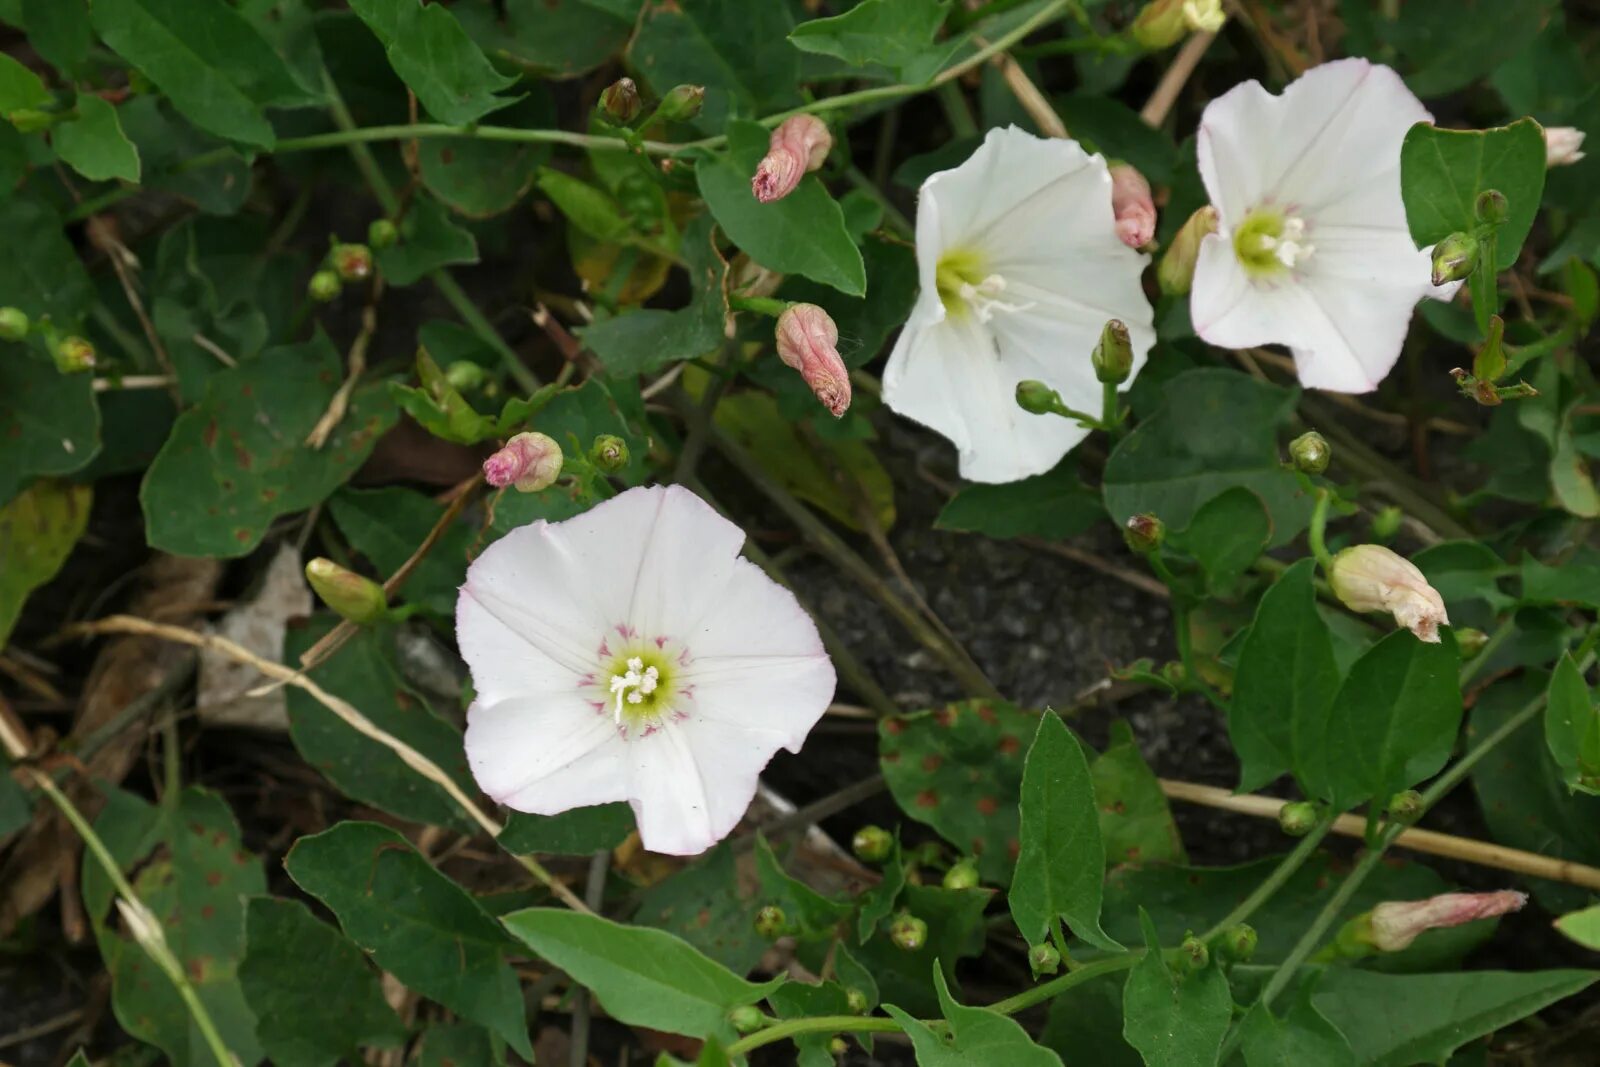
column 609, row 452
column 620, row 101
column 872, row 844
column 838, row 1046
column 682, row 103
column 464, row 375
column 1470, row 641
column 908, row 932
column 353, row 263
column 381, row 233
column 1386, row 523
column 1144, row 533
column 13, row 324
column 1113, row 356
column 1037, row 398
column 1193, row 954
column 1454, row 258
column 1044, row 959
column 1297, row 818
column 1491, row 207
column 1160, row 24
column 73, row 355
column 963, row 875
column 324, row 287
column 1310, row 453
column 747, row 1018
column 1175, row 673
column 351, row 596
column 771, row 922
column 1238, row 943
column 857, row 1001
column 1406, row 806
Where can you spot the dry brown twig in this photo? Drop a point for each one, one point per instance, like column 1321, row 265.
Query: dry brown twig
column 356, row 365
column 349, row 713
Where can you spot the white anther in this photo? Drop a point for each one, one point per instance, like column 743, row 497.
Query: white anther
column 984, row 298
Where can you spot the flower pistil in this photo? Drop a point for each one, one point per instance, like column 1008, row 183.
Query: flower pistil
column 1269, row 241
column 965, row 286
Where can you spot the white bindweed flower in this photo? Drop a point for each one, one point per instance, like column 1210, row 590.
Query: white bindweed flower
column 1312, row 249
column 1021, row 267
column 631, row 654
column 1374, row 578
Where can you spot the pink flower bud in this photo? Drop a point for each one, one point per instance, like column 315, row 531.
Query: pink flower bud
column 808, row 341
column 1131, row 204
column 1395, row 924
column 1372, row 578
column 798, row 146
column 1562, row 145
column 529, row 461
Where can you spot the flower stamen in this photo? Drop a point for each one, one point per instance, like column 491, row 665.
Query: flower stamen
column 634, row 684
column 964, row 286
column 1269, row 242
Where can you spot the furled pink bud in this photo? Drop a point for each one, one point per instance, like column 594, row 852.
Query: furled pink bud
column 1395, row 924
column 1372, row 578
column 1131, row 204
column 1562, row 145
column 798, row 146
column 529, row 461
column 808, row 341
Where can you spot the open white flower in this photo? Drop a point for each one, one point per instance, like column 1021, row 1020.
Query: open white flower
column 1021, row 267
column 1312, row 249
column 631, row 654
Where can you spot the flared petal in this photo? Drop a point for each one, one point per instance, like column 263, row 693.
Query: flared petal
column 1332, row 137
column 690, row 785
column 546, row 752
column 1004, row 184
column 691, row 554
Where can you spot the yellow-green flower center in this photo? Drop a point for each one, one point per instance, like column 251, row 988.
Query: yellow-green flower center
column 966, row 286
column 1270, row 242
column 640, row 685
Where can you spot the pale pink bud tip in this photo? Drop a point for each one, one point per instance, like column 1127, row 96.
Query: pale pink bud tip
column 1133, row 207
column 797, row 147
column 1395, row 924
column 808, row 341
column 1562, row 145
column 1373, row 578
column 529, row 461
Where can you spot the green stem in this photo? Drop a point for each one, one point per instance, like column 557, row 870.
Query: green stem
column 1318, row 533
column 1470, row 668
column 1275, row 881
column 761, row 305
column 821, row 1024
column 1056, row 986
column 957, row 111
column 1110, row 410
column 97, row 848
column 893, row 215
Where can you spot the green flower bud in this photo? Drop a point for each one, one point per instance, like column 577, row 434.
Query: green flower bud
column 1175, row 273
column 1113, row 356
column 838, row 1046
column 353, row 263
column 1297, row 818
column 771, row 922
column 908, row 932
column 1175, row 673
column 609, row 452
column 1386, row 523
column 856, row 1000
column 381, row 233
column 1144, row 533
column 324, row 287
column 963, row 875
column 73, row 355
column 1454, row 258
column 1310, row 453
column 1491, row 207
column 1405, row 807
column 682, row 103
column 1044, row 959
column 1037, row 398
column 1470, row 641
column 872, row 844
column 1238, row 943
column 13, row 324
column 465, row 375
column 747, row 1018
column 620, row 101
column 1160, row 24
column 1193, row 954
column 351, row 596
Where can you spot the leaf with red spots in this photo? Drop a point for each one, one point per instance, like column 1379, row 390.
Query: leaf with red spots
column 214, row 492
column 186, row 863
column 959, row 769
column 1135, row 822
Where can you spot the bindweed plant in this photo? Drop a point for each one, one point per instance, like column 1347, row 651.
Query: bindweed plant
column 447, row 451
